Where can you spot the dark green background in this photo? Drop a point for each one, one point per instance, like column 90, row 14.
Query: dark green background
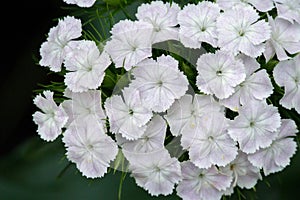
column 29, row 167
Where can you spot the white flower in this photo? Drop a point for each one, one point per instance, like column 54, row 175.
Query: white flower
column 90, row 148
column 239, row 30
column 198, row 24
column 81, row 3
column 256, row 87
column 85, row 107
column 162, row 17
column 245, row 175
column 130, row 43
column 208, row 143
column 53, row 50
column 160, row 82
column 288, row 10
column 255, row 126
column 287, row 75
column 85, row 65
column 155, row 171
column 202, row 184
column 277, row 156
column 285, row 37
column 219, row 73
column 128, row 115
column 188, row 111
column 152, row 139
column 52, row 118
column 261, row 5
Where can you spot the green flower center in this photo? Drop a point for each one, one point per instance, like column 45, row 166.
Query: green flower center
column 130, row 112
column 252, row 123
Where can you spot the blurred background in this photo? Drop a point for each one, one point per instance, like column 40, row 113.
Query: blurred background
column 33, row 169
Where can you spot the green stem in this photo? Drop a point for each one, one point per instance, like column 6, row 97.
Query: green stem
column 121, row 185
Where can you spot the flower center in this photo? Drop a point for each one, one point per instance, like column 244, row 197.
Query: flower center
column 241, row 33
column 89, row 146
column 133, row 48
column 146, row 139
column 252, row 123
column 50, row 115
column 297, row 80
column 232, row 166
column 157, row 29
column 89, row 110
column 219, row 73
column 193, row 112
column 130, row 112
column 90, row 68
column 159, row 83
column 157, row 169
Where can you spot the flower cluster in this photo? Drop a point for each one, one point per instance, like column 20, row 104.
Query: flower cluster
column 232, row 131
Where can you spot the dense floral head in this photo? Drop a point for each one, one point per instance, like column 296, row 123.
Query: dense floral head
column 196, row 98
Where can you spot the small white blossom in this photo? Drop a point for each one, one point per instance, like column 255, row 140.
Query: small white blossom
column 52, row 118
column 255, row 127
column 277, row 156
column 53, row 50
column 156, row 171
column 261, row 5
column 285, row 37
column 288, row 10
column 83, row 107
column 127, row 115
column 245, row 175
column 202, row 184
column 89, row 148
column 287, row 75
column 188, row 111
column 219, row 73
column 81, row 3
column 256, row 87
column 85, row 65
column 162, row 17
column 239, row 30
column 160, row 82
column 130, row 43
column 198, row 24
column 151, row 140
column 208, row 143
